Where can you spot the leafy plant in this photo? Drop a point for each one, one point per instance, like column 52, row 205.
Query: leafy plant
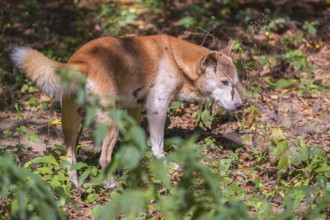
column 283, row 83
column 310, row 86
column 297, row 59
column 310, row 26
column 198, row 197
column 176, row 107
column 293, row 154
column 236, row 183
column 30, row 197
column 187, row 21
column 116, row 16
column 203, row 115
column 51, row 171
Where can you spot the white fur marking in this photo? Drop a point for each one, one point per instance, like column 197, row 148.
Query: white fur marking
column 157, row 103
column 89, row 86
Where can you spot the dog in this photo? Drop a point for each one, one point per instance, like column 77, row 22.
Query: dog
column 145, row 72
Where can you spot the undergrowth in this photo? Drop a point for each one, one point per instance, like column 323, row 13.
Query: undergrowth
column 279, row 176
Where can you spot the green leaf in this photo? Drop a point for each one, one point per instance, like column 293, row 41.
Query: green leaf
column 277, row 135
column 285, row 82
column 83, row 176
column 323, row 170
column 187, row 21
column 281, row 149
column 169, row 207
column 129, row 156
column 206, row 118
column 130, row 203
column 311, row 29
column 100, row 133
column 96, row 211
column 299, row 156
column 90, row 113
column 91, row 197
column 175, row 105
column 24, row 88
column 177, row 141
column 44, row 105
column 138, row 136
column 44, row 170
column 44, row 159
column 56, row 181
column 21, row 129
column 297, row 64
column 225, row 165
column 33, row 138
column 117, row 116
column 283, row 162
column 78, row 166
column 8, row 133
column 33, row 102
column 22, row 204
column 196, row 114
column 160, row 172
column 81, row 96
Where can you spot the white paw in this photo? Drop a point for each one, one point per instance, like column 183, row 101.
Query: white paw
column 159, row 155
column 74, row 179
column 111, row 183
column 175, row 166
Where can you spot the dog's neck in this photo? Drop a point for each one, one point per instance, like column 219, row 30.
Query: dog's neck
column 187, row 57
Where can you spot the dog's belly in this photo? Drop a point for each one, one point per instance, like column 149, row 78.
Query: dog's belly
column 132, row 96
column 127, row 101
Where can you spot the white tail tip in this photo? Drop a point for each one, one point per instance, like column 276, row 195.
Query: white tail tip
column 18, row 55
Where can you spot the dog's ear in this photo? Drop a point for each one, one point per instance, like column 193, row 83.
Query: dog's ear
column 206, row 60
column 228, row 48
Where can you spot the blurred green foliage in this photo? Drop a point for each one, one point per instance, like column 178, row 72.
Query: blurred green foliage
column 205, row 189
column 29, row 197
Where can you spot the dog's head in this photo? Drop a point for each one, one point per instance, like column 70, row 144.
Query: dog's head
column 218, row 78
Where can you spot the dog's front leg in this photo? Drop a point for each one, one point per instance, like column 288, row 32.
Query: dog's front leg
column 156, row 107
column 156, row 119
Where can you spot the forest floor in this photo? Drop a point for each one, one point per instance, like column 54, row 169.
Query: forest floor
column 304, row 116
column 300, row 109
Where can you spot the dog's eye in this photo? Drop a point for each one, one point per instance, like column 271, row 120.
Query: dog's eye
column 225, row 82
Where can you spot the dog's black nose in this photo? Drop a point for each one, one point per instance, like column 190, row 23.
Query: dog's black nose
column 239, row 106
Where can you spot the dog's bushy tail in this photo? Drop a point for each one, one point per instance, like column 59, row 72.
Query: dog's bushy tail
column 39, row 69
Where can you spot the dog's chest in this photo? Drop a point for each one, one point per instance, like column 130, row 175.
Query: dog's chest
column 162, row 86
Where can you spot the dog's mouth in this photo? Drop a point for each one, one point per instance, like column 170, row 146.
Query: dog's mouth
column 228, row 100
column 232, row 107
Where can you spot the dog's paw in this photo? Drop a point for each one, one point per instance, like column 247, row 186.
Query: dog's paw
column 175, row 166
column 110, row 183
column 178, row 167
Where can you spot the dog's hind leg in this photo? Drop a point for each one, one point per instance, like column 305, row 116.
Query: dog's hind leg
column 71, row 122
column 108, row 145
column 109, row 140
column 104, row 87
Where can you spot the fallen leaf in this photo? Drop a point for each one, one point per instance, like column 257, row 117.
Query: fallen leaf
column 282, row 194
column 254, row 176
column 56, row 122
column 274, row 97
